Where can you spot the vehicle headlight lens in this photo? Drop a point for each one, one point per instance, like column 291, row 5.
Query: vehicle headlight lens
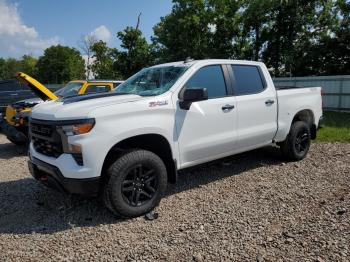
column 78, row 128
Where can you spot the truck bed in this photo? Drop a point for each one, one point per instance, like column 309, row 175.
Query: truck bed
column 292, row 100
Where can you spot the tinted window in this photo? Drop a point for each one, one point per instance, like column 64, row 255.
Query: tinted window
column 211, row 78
column 97, row 89
column 248, row 79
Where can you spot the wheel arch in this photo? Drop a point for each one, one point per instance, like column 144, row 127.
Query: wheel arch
column 153, row 142
column 307, row 116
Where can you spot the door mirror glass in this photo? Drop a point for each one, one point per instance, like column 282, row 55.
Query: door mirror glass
column 189, row 96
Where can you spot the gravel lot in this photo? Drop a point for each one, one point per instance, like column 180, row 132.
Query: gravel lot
column 250, row 207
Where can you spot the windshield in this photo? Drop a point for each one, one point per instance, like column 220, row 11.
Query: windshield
column 152, row 81
column 70, row 89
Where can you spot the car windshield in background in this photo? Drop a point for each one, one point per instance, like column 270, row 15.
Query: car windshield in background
column 152, row 81
column 71, row 89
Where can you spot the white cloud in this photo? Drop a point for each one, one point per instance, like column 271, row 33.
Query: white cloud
column 102, row 33
column 16, row 38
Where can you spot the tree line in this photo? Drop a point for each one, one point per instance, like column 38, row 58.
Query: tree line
column 293, row 38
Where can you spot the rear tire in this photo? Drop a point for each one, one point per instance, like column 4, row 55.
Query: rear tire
column 136, row 182
column 297, row 144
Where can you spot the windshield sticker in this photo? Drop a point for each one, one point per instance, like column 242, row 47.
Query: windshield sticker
column 158, row 103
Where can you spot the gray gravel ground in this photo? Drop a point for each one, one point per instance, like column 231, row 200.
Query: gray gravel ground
column 250, row 207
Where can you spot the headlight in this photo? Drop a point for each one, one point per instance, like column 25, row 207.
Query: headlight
column 78, row 127
column 72, row 128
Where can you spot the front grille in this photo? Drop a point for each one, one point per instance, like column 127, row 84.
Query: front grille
column 41, row 129
column 45, row 138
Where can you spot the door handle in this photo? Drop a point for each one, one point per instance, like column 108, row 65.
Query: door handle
column 227, row 107
column 269, row 102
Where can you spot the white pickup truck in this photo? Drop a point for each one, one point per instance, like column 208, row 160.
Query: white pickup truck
column 127, row 145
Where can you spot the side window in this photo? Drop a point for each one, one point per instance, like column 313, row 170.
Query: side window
column 248, row 80
column 97, row 89
column 211, row 78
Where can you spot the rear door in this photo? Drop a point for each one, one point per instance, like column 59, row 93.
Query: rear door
column 256, row 106
column 208, row 128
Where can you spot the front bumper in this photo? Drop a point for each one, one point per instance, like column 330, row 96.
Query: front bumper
column 52, row 177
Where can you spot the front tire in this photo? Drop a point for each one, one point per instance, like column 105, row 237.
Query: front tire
column 137, row 181
column 297, row 144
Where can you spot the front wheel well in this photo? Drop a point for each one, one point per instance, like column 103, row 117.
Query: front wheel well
column 155, row 143
column 307, row 116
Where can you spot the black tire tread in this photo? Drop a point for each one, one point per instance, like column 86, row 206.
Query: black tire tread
column 115, row 206
column 288, row 144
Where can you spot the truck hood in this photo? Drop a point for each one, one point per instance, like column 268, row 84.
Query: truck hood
column 40, row 90
column 64, row 109
column 27, row 103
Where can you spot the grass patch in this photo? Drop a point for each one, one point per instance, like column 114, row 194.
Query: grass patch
column 336, row 127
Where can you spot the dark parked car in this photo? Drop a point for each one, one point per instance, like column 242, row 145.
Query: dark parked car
column 12, row 91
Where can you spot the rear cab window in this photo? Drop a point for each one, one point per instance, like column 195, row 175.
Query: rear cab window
column 90, row 89
column 248, row 79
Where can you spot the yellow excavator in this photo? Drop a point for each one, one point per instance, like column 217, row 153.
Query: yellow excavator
column 14, row 123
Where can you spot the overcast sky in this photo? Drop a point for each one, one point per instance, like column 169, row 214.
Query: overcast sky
column 28, row 27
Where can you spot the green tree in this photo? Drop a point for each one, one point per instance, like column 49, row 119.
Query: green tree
column 334, row 49
column 185, row 32
column 288, row 35
column 28, row 65
column 254, row 22
column 103, row 59
column 2, row 68
column 298, row 26
column 224, row 19
column 9, row 67
column 60, row 64
column 136, row 52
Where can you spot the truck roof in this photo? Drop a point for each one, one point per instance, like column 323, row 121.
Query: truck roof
column 190, row 63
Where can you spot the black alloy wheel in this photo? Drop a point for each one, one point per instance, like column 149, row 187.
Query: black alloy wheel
column 139, row 185
column 297, row 143
column 135, row 183
column 302, row 141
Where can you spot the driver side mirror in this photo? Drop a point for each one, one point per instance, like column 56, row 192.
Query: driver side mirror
column 188, row 96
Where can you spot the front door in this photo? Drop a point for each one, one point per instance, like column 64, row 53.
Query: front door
column 208, row 129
